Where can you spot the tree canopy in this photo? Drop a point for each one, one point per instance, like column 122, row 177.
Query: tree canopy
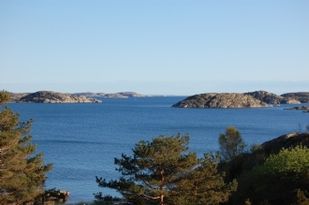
column 282, row 179
column 22, row 171
column 231, row 143
column 288, row 161
column 163, row 171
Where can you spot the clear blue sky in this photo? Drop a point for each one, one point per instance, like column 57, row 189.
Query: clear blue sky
column 154, row 46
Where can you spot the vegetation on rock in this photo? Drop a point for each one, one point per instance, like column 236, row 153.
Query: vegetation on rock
column 282, row 179
column 276, row 172
column 162, row 171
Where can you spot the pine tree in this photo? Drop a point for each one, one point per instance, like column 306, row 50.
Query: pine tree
column 22, row 172
column 231, row 143
column 162, row 171
column 204, row 185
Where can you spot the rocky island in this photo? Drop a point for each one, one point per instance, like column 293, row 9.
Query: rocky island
column 301, row 97
column 54, row 97
column 111, row 95
column 242, row 100
column 220, row 100
column 57, row 97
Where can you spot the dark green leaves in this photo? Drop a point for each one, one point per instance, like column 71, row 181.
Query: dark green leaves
column 163, row 171
column 22, row 174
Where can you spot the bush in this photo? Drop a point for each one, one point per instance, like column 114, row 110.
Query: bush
column 287, row 161
column 278, row 180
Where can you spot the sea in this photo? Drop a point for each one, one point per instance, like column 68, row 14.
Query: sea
column 82, row 140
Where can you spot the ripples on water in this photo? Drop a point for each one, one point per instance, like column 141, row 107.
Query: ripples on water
column 81, row 140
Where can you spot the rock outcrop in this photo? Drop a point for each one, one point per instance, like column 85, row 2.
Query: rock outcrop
column 246, row 161
column 266, row 97
column 220, row 100
column 290, row 101
column 300, row 97
column 303, row 108
column 55, row 196
column 55, row 97
column 285, row 141
column 15, row 97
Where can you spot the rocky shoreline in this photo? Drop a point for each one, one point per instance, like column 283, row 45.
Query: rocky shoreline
column 242, row 100
column 302, row 108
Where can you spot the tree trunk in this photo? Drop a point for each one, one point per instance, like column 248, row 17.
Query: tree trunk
column 161, row 188
column 161, row 199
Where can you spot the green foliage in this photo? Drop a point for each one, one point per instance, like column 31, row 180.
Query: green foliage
column 22, row 173
column 255, row 148
column 204, row 185
column 101, row 199
column 277, row 180
column 4, row 97
column 287, row 161
column 231, row 143
column 163, row 171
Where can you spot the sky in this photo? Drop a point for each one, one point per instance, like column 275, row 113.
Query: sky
column 170, row 47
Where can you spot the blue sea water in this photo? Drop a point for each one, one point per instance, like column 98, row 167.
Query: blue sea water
column 82, row 140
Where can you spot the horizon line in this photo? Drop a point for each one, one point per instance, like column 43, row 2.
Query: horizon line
column 148, row 94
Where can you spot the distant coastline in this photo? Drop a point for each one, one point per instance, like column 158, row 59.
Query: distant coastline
column 204, row 100
column 80, row 97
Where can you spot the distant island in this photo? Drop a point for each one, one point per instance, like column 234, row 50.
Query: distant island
column 206, row 100
column 51, row 97
column 242, row 100
column 111, row 95
column 57, row 97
